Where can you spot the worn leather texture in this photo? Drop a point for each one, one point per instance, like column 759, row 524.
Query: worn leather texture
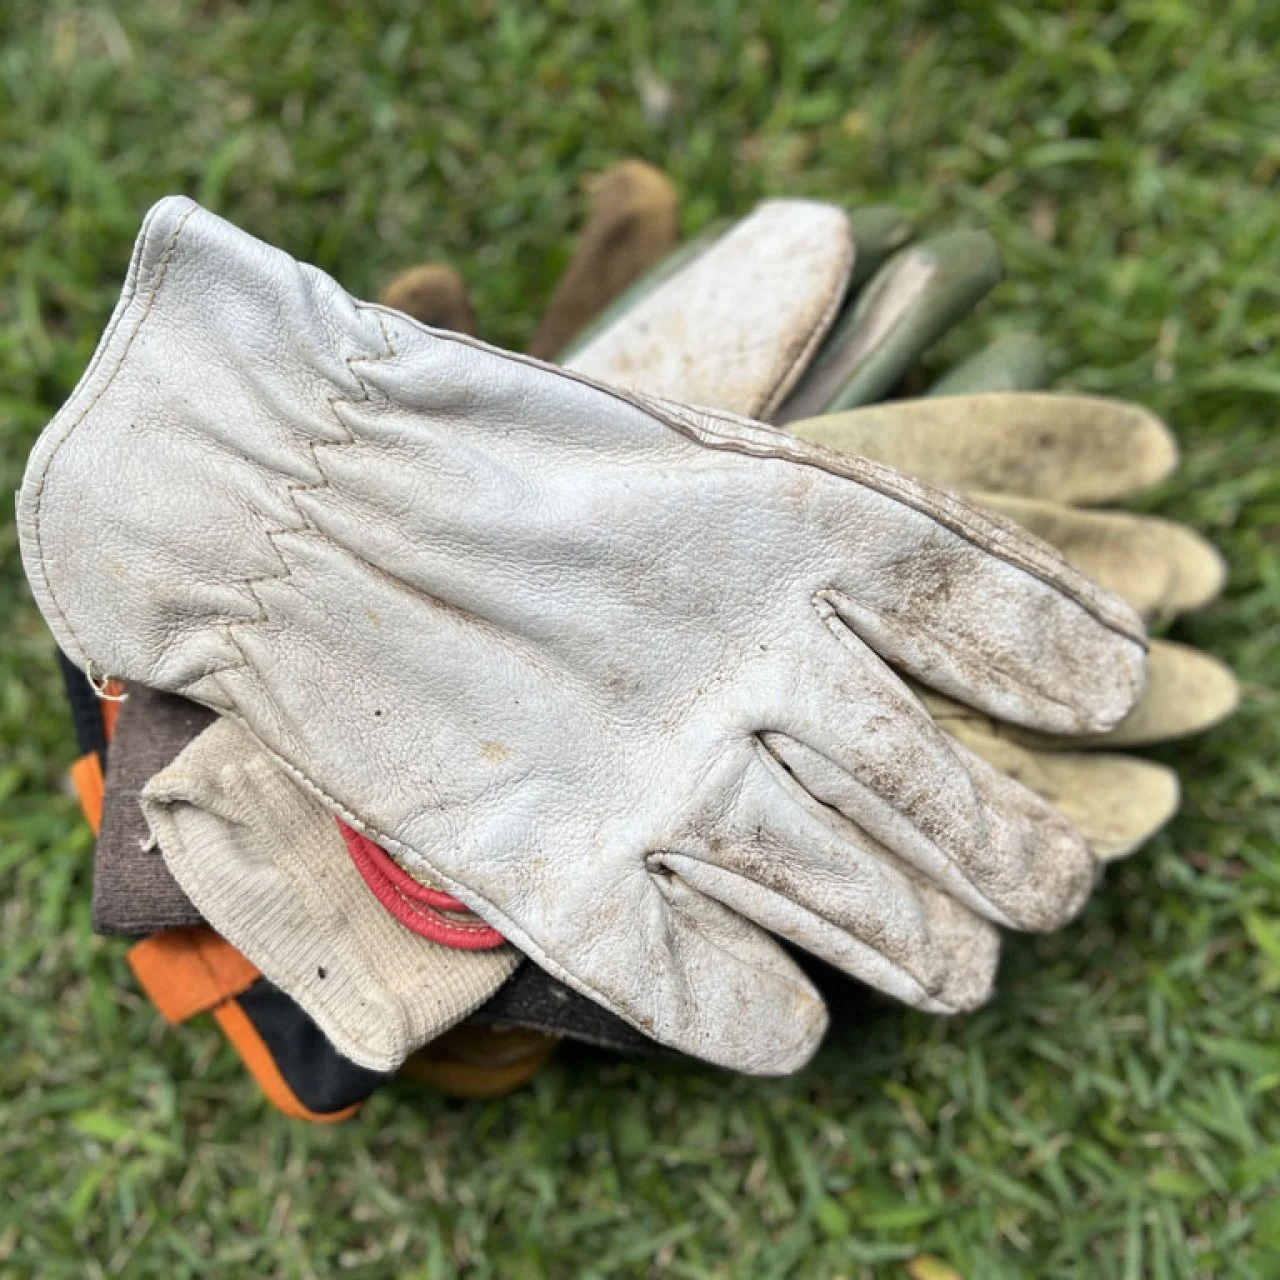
column 1033, row 458
column 736, row 327
column 614, row 671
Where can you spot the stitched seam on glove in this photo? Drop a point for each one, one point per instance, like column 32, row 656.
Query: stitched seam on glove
column 123, row 307
column 985, row 529
column 292, row 490
column 759, row 440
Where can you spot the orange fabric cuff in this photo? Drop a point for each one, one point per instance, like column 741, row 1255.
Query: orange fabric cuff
column 189, row 971
column 86, row 778
column 192, row 970
column 114, row 690
column 245, row 1040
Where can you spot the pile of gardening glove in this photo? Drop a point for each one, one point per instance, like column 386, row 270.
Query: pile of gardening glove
column 438, row 703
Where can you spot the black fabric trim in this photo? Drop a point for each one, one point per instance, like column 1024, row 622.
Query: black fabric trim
column 86, row 711
column 532, row 998
column 320, row 1077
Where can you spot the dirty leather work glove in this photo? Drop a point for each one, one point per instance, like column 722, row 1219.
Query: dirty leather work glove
column 611, row 670
column 1037, row 459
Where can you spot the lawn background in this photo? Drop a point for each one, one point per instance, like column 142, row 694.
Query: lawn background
column 1114, row 1111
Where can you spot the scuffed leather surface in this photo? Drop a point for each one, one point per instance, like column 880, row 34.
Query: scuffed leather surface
column 611, row 670
column 736, row 327
column 1051, row 445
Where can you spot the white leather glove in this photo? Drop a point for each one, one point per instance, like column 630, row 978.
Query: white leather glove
column 610, row 669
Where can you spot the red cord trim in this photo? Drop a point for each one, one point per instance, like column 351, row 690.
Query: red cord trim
column 430, row 913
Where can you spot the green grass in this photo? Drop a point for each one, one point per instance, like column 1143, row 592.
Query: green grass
column 1116, row 1111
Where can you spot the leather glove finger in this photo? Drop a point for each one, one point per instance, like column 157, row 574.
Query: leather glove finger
column 1054, row 446
column 1002, row 447
column 1012, row 362
column 1187, row 691
column 1160, row 567
column 736, row 325
column 433, row 294
column 877, row 231
column 610, row 314
column 1116, row 802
